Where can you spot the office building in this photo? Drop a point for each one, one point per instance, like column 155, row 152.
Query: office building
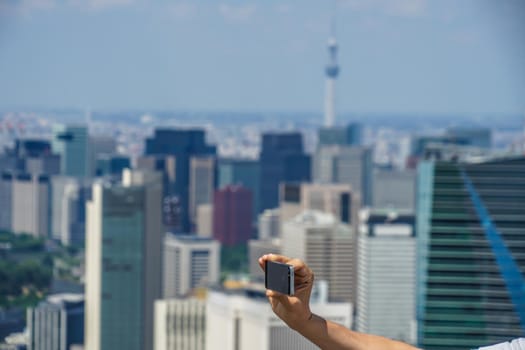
column 245, row 320
column 327, row 246
column 56, row 323
column 243, row 172
column 386, row 268
column 269, row 224
column 123, row 262
column 6, row 201
column 205, row 220
column 202, row 183
column 30, row 205
column 180, row 324
column 473, row 136
column 345, row 165
column 43, row 165
column 394, row 189
column 101, row 147
column 350, row 135
column 189, row 262
column 336, row 199
column 258, row 248
column 282, row 159
column 470, row 261
column 111, row 165
column 183, row 145
column 72, row 144
column 232, row 215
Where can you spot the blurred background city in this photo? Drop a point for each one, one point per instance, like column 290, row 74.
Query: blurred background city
column 152, row 150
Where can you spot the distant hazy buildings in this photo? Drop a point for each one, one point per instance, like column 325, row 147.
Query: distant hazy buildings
column 269, row 224
column 328, row 247
column 470, row 285
column 111, row 165
column 30, row 204
column 6, row 201
column 394, row 189
column 347, row 165
column 387, row 271
column 350, row 135
column 256, row 249
column 473, row 136
column 123, row 262
column 243, row 172
column 57, row 323
column 232, row 215
column 203, row 170
column 189, row 262
column 182, row 144
column 337, row 199
column 282, row 159
column 180, row 324
column 205, row 220
column 240, row 321
column 72, row 144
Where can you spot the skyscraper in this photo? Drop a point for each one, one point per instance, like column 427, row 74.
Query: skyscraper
column 189, row 262
column 182, row 144
column 394, row 189
column 347, row 165
column 232, row 215
column 30, row 205
column 203, row 179
column 327, row 246
column 123, row 262
column 387, row 271
column 243, row 172
column 350, row 135
column 282, row 159
column 72, row 144
column 6, row 200
column 180, row 324
column 470, row 224
column 56, row 323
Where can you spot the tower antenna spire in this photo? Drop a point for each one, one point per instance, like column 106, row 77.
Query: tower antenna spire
column 331, row 71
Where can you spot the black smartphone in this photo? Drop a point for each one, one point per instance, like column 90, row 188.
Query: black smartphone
column 279, row 277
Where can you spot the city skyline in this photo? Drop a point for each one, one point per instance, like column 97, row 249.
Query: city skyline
column 263, row 55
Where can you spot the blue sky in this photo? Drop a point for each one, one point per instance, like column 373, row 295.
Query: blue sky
column 397, row 56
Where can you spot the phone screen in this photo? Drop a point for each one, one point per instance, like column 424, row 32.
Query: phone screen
column 279, row 277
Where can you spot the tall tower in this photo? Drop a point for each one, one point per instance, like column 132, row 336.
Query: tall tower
column 332, row 71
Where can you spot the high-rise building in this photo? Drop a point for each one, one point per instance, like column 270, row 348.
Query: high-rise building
column 43, row 165
column 180, row 324
column 470, row 239
column 243, row 172
column 337, row 199
column 245, row 320
column 72, row 144
column 350, row 135
column 386, row 268
column 56, row 323
column 327, row 246
column 111, row 165
column 282, row 159
column 205, row 220
column 347, row 165
column 6, row 201
column 30, row 205
column 232, row 215
column 202, row 183
column 123, row 262
column 189, row 262
column 394, row 189
column 269, row 224
column 183, row 145
column 101, row 147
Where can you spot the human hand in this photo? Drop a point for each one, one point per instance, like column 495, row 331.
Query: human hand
column 293, row 310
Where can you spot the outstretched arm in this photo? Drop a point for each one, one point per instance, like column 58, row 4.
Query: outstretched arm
column 295, row 312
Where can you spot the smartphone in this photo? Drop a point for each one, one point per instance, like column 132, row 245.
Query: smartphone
column 279, row 277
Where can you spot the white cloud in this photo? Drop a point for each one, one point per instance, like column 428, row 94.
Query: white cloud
column 237, row 13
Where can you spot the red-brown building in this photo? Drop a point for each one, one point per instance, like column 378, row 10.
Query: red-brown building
column 232, row 215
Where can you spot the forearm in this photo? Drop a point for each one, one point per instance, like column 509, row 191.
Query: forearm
column 330, row 335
